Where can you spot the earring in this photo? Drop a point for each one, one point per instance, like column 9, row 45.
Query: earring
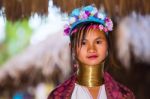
column 73, row 56
column 103, row 68
column 75, row 64
column 107, row 53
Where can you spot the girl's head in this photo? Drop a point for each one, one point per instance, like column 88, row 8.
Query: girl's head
column 89, row 44
column 88, row 29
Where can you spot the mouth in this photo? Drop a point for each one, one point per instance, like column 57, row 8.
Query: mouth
column 92, row 57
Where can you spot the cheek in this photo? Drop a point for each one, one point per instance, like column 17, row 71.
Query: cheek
column 81, row 53
column 103, row 50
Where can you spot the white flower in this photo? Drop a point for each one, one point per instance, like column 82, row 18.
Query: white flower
column 94, row 11
column 72, row 20
column 101, row 15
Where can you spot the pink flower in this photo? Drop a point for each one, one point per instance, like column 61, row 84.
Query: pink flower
column 105, row 29
column 87, row 13
column 101, row 27
column 107, row 19
column 83, row 15
column 66, row 29
column 109, row 25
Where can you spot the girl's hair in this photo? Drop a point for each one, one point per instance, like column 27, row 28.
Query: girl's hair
column 78, row 34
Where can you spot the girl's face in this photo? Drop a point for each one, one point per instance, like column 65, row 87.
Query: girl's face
column 92, row 49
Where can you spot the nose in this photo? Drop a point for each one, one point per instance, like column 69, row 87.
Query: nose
column 91, row 48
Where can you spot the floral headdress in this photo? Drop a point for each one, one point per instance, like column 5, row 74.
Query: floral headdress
column 88, row 14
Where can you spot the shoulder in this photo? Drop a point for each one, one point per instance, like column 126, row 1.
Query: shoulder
column 116, row 89
column 64, row 90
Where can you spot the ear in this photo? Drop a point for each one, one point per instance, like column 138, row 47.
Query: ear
column 69, row 45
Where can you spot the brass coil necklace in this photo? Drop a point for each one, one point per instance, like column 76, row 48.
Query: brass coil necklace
column 90, row 76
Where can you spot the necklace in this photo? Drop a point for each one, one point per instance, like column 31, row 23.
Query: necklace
column 90, row 76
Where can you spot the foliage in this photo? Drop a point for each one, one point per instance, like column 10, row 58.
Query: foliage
column 17, row 36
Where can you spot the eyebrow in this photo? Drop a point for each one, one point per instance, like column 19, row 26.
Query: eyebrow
column 99, row 38
column 95, row 39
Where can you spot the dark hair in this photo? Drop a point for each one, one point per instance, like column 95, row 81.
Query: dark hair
column 79, row 34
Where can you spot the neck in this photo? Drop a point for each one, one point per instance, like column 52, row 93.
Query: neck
column 90, row 76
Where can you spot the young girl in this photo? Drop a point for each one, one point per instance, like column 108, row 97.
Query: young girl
column 90, row 48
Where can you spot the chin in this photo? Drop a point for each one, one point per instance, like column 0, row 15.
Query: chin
column 93, row 63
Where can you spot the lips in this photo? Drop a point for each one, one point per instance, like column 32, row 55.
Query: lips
column 92, row 56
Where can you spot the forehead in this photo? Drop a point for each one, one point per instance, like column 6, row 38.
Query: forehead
column 94, row 33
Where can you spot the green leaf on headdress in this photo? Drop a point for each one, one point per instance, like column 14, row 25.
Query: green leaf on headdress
column 75, row 12
column 88, row 8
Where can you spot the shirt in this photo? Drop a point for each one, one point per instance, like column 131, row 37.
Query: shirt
column 81, row 92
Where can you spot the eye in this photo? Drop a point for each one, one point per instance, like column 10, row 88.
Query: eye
column 83, row 43
column 98, row 42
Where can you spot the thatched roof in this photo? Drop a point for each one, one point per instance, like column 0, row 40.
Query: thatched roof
column 47, row 61
column 113, row 7
column 18, row 9
column 1, row 4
